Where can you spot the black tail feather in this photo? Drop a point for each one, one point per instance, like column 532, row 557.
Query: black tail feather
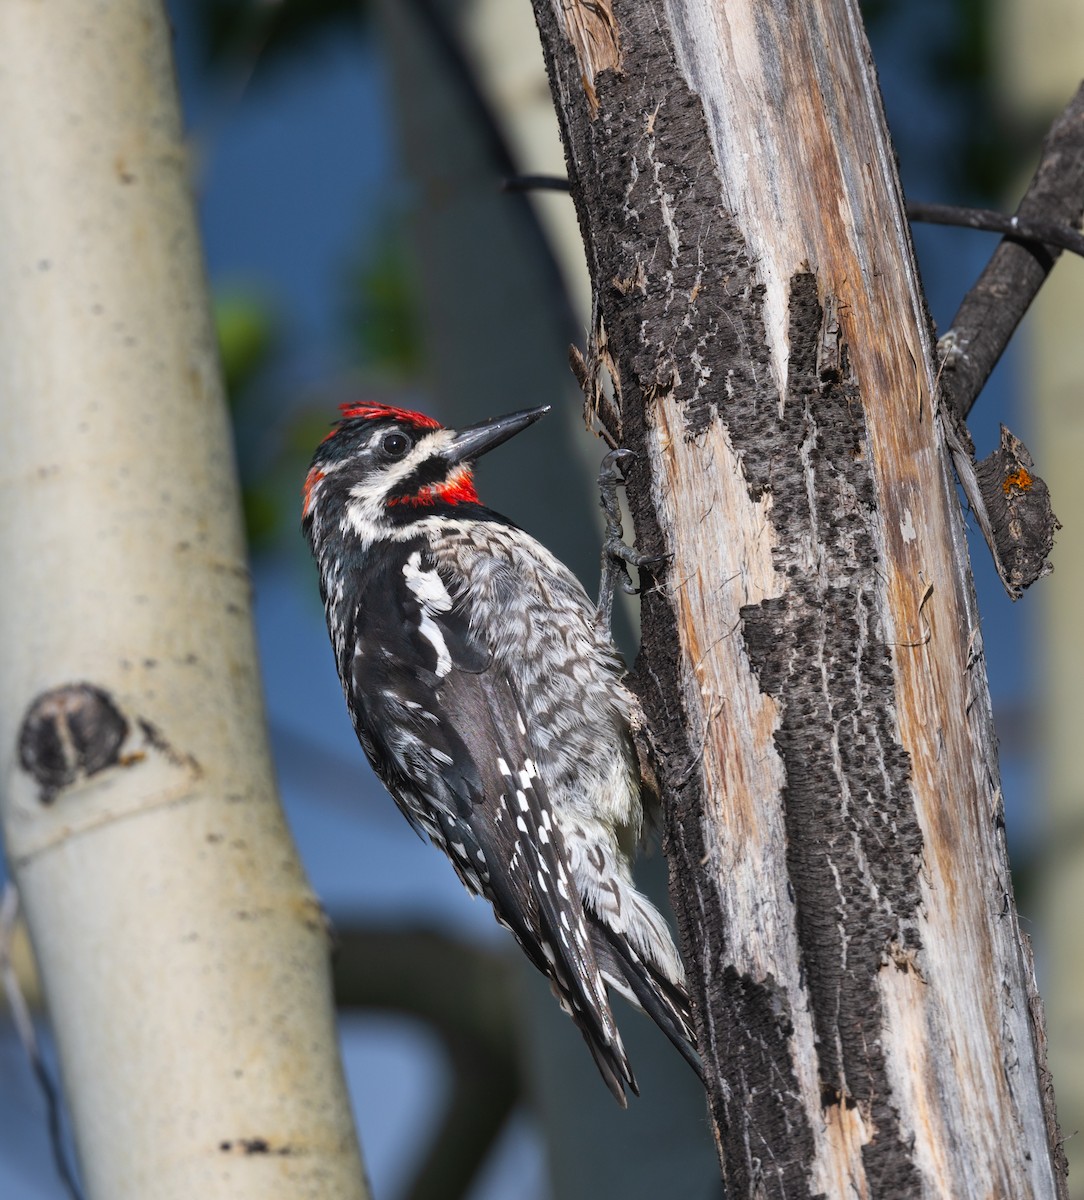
column 665, row 1003
column 614, row 1068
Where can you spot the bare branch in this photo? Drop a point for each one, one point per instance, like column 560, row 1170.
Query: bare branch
column 993, row 308
column 534, row 183
column 990, row 221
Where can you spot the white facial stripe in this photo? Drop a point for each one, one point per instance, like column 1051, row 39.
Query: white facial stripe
column 368, row 499
column 392, row 474
column 362, row 517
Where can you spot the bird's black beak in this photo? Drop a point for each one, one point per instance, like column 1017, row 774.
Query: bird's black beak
column 468, row 444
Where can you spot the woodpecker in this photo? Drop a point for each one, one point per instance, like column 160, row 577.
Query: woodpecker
column 488, row 696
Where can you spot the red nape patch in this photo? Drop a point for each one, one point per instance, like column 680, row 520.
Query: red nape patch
column 371, row 412
column 458, row 488
column 311, row 480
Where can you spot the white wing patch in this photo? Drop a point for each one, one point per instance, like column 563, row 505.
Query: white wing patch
column 428, row 589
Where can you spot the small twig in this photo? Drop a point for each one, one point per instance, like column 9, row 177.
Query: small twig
column 993, row 308
column 24, row 1028
column 1011, row 502
column 1047, row 233
column 441, row 32
column 989, row 220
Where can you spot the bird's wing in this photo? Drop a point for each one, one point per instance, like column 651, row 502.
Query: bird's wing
column 446, row 732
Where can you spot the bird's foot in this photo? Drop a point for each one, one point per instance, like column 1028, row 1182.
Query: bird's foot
column 617, row 555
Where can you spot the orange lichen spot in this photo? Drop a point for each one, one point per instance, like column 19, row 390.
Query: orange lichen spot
column 1019, row 479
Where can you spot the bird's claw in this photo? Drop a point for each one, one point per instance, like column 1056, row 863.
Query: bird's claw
column 617, row 555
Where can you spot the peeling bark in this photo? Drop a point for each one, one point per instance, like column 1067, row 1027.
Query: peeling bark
column 592, row 32
column 811, row 657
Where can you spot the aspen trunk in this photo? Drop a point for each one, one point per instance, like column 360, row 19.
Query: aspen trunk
column 812, row 660
column 183, row 955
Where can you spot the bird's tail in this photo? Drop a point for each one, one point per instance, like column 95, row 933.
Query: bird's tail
column 641, row 982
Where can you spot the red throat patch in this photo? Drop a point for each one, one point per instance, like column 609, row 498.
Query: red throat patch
column 458, row 488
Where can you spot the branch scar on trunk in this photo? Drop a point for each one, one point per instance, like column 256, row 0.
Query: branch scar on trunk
column 591, row 28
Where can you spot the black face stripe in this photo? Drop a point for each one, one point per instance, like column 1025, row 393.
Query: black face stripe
column 433, row 470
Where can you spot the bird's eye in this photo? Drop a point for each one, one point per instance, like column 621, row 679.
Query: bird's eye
column 395, row 445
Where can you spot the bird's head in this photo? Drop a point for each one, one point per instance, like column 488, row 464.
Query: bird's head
column 382, row 467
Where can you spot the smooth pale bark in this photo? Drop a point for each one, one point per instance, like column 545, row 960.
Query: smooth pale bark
column 184, row 957
column 812, row 658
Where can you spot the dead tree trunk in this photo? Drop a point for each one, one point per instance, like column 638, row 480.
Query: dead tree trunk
column 812, row 661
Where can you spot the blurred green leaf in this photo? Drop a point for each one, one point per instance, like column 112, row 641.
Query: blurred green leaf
column 248, row 336
column 308, row 428
column 244, row 32
column 264, row 511
column 383, row 310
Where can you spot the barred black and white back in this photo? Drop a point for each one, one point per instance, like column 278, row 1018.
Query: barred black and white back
column 492, row 706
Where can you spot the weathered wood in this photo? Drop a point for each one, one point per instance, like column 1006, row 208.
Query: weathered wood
column 812, row 661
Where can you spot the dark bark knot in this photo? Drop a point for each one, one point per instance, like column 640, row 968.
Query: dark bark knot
column 68, row 733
